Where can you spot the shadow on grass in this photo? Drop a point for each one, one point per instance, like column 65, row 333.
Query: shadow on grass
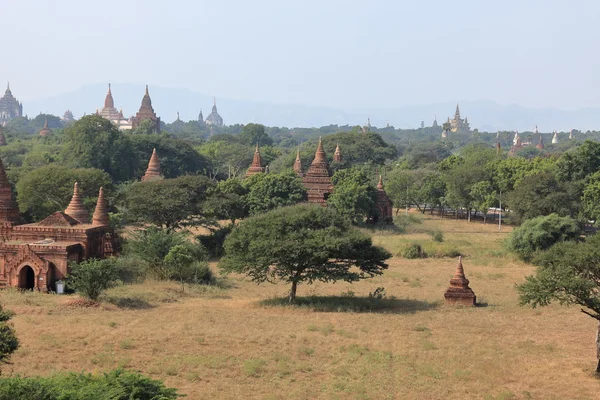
column 353, row 304
column 383, row 228
column 129, row 302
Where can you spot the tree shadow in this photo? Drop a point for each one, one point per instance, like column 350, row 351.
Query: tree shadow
column 390, row 305
column 129, row 302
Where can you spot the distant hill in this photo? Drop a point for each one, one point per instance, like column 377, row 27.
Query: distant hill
column 484, row 115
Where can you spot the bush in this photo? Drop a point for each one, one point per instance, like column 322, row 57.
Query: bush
column 90, row 278
column 114, row 385
column 541, row 233
column 414, row 251
column 214, row 242
column 438, row 236
column 8, row 341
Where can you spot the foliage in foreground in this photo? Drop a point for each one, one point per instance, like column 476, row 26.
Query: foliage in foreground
column 540, row 234
column 114, row 385
column 568, row 273
column 8, row 340
column 303, row 243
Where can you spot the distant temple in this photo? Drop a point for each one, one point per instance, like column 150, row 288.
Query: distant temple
column 110, row 113
column 214, row 118
column 68, row 116
column 384, row 204
column 146, row 112
column 317, row 179
column 457, row 124
column 35, row 256
column 153, row 171
column 45, row 131
column 10, row 108
column 201, row 119
column 555, row 138
column 256, row 167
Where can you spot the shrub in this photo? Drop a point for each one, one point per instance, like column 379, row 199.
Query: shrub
column 214, row 241
column 114, row 385
column 438, row 236
column 8, row 341
column 541, row 233
column 414, row 251
column 90, row 278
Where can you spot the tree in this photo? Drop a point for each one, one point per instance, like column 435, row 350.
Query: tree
column 168, row 203
column 91, row 277
column 48, row 189
column 252, row 134
column 146, row 127
column 226, row 159
column 180, row 261
column 568, row 273
column 541, row 233
column 484, row 197
column 269, row 191
column 580, row 162
column 95, row 142
column 303, row 243
column 227, row 200
column 590, row 200
column 8, row 340
column 354, row 195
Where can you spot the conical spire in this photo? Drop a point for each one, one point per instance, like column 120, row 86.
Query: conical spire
column 555, row 138
column 153, row 170
column 108, row 101
column 8, row 88
column 337, row 156
column 45, row 131
column 571, row 134
column 298, row 163
column 100, row 217
column 320, row 156
column 540, row 144
column 256, row 167
column 76, row 210
column 457, row 112
column 380, row 183
column 2, row 138
column 147, row 94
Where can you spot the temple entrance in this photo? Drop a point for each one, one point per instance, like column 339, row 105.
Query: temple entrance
column 27, row 278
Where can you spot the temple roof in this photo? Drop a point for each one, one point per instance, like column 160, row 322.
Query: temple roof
column 153, row 171
column 59, row 218
column 108, row 101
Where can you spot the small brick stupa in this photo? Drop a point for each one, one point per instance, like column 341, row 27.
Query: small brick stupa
column 45, row 131
column 153, row 171
column 459, row 291
column 76, row 209
column 256, row 167
column 298, row 164
column 337, row 156
column 317, row 179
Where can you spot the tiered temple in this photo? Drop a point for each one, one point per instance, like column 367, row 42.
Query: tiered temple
column 384, row 204
column 112, row 114
column 337, row 156
column 459, row 291
column 214, row 118
column 256, row 167
column 10, row 108
column 317, row 179
column 146, row 112
column 153, row 171
column 457, row 124
column 35, row 256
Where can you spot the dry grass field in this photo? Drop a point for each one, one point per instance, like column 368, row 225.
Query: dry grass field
column 225, row 343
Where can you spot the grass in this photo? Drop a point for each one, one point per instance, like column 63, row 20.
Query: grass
column 245, row 341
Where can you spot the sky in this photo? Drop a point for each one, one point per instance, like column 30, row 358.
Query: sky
column 343, row 54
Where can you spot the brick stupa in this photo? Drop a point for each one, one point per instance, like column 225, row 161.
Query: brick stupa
column 459, row 292
column 45, row 131
column 337, row 156
column 317, row 180
column 76, row 209
column 298, row 164
column 256, row 167
column 153, row 171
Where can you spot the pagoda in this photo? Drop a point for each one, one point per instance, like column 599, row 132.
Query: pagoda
column 110, row 113
column 256, row 167
column 45, row 131
column 146, row 112
column 457, row 124
column 153, row 171
column 214, row 118
column 10, row 108
column 317, row 179
column 459, row 291
column 384, row 204
column 337, row 156
column 298, row 164
column 555, row 138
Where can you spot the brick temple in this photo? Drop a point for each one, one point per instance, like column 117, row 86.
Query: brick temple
column 35, row 256
column 459, row 291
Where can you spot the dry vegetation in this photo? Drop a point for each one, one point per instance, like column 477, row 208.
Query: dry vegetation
column 226, row 343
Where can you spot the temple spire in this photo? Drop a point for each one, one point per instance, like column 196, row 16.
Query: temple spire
column 147, row 94
column 100, row 217
column 256, row 167
column 298, row 163
column 459, row 291
column 76, row 209
column 337, row 156
column 380, row 183
column 153, row 171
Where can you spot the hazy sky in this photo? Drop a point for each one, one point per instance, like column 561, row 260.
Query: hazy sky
column 346, row 54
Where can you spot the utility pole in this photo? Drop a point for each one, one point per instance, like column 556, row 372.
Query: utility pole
column 407, row 200
column 500, row 219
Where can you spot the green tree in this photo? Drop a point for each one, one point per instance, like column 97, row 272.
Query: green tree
column 484, row 197
column 590, row 201
column 304, row 243
column 252, row 134
column 226, row 159
column 91, row 277
column 579, row 162
column 48, row 189
column 568, row 273
column 269, row 191
column 8, row 340
column 168, row 203
column 354, row 195
column 541, row 233
column 180, row 262
column 227, row 200
column 95, row 142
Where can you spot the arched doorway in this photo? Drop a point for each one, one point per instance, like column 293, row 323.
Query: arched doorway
column 27, row 278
